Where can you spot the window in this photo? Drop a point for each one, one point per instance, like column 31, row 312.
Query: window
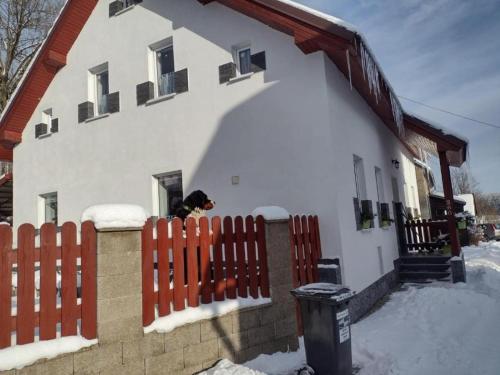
column 168, row 195
column 47, row 118
column 244, row 60
column 359, row 177
column 48, row 207
column 380, row 185
column 165, row 71
column 99, row 88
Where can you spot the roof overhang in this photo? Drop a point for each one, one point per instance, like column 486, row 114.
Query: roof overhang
column 420, row 134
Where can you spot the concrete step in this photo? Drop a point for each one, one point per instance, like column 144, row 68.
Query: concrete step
column 415, row 267
column 425, row 259
column 405, row 276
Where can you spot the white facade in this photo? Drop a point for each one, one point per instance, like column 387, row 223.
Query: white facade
column 289, row 132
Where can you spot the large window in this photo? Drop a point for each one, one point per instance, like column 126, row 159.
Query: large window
column 48, row 208
column 169, row 194
column 165, row 70
column 380, row 185
column 359, row 177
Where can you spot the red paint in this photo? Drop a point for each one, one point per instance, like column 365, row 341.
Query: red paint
column 252, row 257
column 89, row 281
column 241, row 263
column 5, row 285
column 192, row 263
column 179, row 283
column 48, row 316
column 148, row 304
column 163, row 249
column 206, row 272
column 26, row 284
column 219, row 281
column 68, row 280
column 262, row 251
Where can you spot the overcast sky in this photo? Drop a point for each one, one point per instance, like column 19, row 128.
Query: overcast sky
column 445, row 53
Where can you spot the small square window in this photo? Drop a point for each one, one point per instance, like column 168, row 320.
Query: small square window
column 49, row 208
column 169, row 194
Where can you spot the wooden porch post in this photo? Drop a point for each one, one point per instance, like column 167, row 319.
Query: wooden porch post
column 450, row 203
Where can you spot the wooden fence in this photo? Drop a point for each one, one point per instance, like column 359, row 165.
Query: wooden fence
column 305, row 245
column 423, row 234
column 202, row 264
column 28, row 310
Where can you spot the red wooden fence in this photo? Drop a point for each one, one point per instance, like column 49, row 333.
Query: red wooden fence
column 305, row 245
column 45, row 313
column 423, row 234
column 202, row 264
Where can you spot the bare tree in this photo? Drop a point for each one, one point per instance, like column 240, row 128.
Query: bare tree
column 463, row 182
column 23, row 27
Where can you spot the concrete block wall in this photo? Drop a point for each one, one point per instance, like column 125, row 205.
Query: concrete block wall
column 124, row 348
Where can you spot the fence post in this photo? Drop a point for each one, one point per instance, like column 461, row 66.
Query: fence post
column 279, row 261
column 119, row 285
column 400, row 228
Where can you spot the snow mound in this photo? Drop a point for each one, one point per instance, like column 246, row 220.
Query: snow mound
column 177, row 319
column 20, row 356
column 226, row 367
column 116, row 216
column 271, row 213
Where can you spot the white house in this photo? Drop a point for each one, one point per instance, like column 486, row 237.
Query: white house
column 256, row 102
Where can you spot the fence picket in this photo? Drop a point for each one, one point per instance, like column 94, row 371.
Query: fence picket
column 219, row 281
column 319, row 252
column 68, row 280
column 192, row 263
column 262, row 251
column 314, row 249
column 163, row 251
column 148, row 302
column 26, row 285
column 48, row 288
column 206, row 271
column 229, row 258
column 307, row 248
column 178, row 255
column 253, row 277
column 293, row 250
column 300, row 250
column 5, row 285
column 241, row 258
column 89, row 280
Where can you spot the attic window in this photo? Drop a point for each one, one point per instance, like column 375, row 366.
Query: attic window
column 118, row 7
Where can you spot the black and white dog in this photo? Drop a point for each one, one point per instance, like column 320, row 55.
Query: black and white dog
column 195, row 205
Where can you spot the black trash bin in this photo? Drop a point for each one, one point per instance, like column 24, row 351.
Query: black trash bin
column 326, row 323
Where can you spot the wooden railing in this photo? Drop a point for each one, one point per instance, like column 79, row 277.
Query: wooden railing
column 423, row 235
column 53, row 270
column 202, row 264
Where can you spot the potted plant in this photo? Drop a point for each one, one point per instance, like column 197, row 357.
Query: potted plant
column 366, row 220
column 386, row 222
column 462, row 224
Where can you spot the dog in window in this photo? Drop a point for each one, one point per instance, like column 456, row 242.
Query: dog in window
column 195, row 205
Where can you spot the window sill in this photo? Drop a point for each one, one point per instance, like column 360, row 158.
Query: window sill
column 96, row 118
column 160, row 99
column 240, row 78
column 44, row 136
column 124, row 10
column 369, row 230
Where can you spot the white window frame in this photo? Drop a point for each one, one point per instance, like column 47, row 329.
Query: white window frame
column 359, row 178
column 153, row 50
column 47, row 117
column 236, row 57
column 379, row 181
column 156, row 189
column 42, row 204
column 92, row 86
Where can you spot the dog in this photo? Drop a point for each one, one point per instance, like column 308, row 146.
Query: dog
column 195, row 205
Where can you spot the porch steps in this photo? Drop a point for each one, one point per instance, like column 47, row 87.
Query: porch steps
column 424, row 268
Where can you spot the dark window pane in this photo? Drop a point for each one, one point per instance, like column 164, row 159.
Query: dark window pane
column 245, row 58
column 166, row 69
column 170, row 194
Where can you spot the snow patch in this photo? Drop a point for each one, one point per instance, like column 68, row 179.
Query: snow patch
column 331, row 266
column 116, row 216
column 20, row 356
column 177, row 319
column 271, row 213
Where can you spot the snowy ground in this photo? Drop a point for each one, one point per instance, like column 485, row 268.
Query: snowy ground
column 439, row 329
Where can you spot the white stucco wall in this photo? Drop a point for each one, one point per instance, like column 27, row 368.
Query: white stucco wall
column 289, row 132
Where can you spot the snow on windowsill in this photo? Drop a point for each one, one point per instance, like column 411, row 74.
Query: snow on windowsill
column 240, row 78
column 116, row 216
column 19, row 356
column 46, row 135
column 160, row 99
column 328, row 266
column 177, row 319
column 271, row 213
column 96, row 118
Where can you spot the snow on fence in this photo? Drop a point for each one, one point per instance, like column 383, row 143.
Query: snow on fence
column 305, row 245
column 424, row 234
column 27, row 317
column 202, row 263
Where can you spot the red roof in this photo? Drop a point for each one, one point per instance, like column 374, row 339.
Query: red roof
column 311, row 33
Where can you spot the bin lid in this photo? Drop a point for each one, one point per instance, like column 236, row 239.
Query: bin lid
column 333, row 292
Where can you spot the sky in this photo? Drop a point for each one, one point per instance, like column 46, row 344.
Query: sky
column 444, row 53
